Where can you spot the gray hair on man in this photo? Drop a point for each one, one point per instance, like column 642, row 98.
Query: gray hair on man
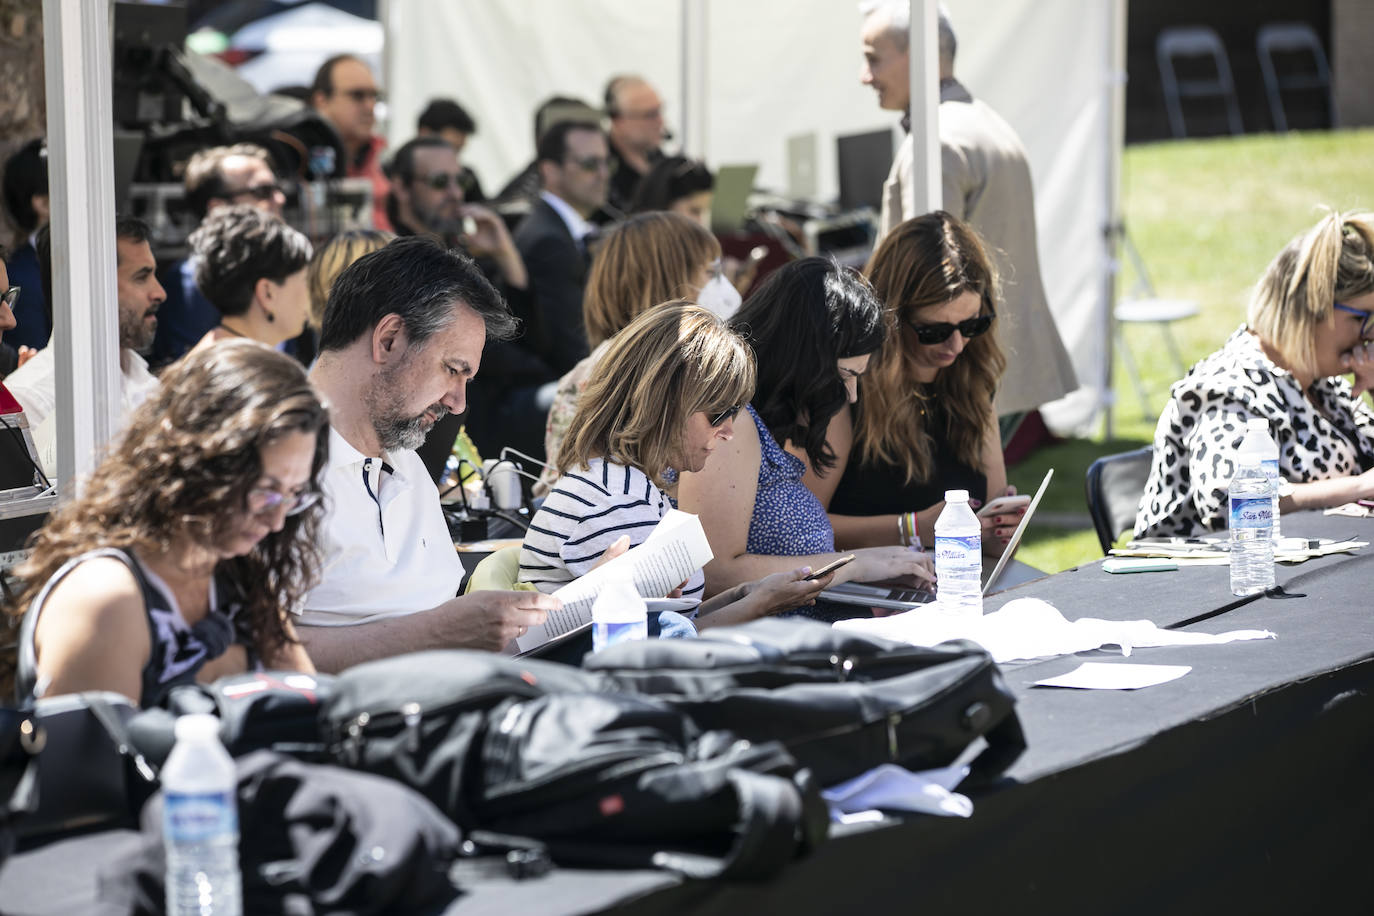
column 897, row 16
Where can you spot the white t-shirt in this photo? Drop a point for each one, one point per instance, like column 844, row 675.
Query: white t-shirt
column 34, row 386
column 387, row 549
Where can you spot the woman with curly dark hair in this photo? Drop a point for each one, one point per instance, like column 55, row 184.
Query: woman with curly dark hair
column 191, row 541
column 814, row 326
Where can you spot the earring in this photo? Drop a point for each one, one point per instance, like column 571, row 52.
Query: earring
column 270, row 316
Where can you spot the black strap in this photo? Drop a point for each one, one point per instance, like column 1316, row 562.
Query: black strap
column 114, row 727
column 1005, row 742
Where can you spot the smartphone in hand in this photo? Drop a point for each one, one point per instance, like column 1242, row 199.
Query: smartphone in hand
column 829, row 568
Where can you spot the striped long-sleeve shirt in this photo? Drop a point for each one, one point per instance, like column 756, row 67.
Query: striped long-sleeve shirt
column 587, row 510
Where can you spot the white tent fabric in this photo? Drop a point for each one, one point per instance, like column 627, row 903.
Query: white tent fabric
column 778, row 68
column 295, row 42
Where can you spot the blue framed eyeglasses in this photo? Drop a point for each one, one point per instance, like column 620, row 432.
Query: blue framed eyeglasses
column 1365, row 314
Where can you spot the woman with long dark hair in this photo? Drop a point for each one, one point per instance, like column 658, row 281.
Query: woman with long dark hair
column 924, row 422
column 814, row 327
column 191, row 541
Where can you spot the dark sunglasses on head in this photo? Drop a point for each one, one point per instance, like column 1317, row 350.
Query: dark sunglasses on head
column 10, row 296
column 929, row 334
column 261, row 191
column 728, row 413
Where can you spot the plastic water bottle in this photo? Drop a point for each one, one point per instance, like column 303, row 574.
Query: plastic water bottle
column 958, row 557
column 1258, row 441
column 1252, row 522
column 200, row 823
column 618, row 614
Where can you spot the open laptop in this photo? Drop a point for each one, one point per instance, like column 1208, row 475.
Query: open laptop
column 904, row 598
column 730, row 204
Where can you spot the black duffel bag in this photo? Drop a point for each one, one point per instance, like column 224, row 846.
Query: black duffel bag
column 537, row 750
column 416, row 718
column 627, row 782
column 841, row 702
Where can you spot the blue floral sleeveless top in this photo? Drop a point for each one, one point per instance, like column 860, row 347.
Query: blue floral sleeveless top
column 788, row 518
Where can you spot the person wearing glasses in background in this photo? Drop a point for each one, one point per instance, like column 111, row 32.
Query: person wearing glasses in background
column 516, row 389
column 427, row 198
column 1308, row 327
column 222, row 176
column 660, row 401
column 574, row 173
column 635, row 112
column 924, row 422
column 191, row 540
column 9, row 296
column 814, row 327
column 344, row 93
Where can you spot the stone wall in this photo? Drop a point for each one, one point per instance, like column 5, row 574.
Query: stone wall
column 22, row 112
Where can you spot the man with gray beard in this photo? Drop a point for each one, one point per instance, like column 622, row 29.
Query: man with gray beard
column 403, row 334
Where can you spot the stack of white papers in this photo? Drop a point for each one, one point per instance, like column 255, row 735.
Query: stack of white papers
column 1031, row 628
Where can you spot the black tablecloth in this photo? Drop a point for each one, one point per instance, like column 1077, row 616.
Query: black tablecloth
column 1240, row 787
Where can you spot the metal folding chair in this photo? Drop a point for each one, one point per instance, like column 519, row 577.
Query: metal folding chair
column 1195, row 41
column 1292, row 38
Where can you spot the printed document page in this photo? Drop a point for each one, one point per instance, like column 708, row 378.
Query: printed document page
column 675, row 549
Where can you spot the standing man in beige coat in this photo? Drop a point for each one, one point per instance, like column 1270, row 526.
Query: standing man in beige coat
column 986, row 183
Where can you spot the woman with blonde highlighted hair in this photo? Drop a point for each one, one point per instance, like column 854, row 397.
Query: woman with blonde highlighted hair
column 330, row 260
column 661, row 399
column 1310, row 323
column 924, row 422
column 648, row 259
column 191, row 541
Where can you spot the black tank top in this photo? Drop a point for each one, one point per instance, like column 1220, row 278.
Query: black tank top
column 882, row 489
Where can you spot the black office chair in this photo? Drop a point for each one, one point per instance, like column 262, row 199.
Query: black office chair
column 1114, row 484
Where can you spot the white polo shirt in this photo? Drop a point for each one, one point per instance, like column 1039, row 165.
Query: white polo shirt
column 387, row 550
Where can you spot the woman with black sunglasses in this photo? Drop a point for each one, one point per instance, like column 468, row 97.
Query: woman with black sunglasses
column 191, row 541
column 924, row 422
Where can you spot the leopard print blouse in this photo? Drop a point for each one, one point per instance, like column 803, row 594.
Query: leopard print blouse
column 1323, row 434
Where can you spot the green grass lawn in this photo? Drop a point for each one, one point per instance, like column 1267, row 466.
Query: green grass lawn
column 1207, row 216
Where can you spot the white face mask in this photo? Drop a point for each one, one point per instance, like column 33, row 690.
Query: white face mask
column 720, row 296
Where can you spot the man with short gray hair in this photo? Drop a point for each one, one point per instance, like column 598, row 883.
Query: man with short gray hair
column 986, row 183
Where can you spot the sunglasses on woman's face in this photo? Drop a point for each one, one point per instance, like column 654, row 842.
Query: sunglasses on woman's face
column 930, row 334
column 728, row 413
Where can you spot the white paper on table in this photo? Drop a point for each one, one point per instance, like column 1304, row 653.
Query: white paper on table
column 1031, row 628
column 673, row 551
column 1116, row 676
column 888, row 786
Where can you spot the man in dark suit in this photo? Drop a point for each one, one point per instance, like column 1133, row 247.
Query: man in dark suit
column 510, row 398
column 574, row 171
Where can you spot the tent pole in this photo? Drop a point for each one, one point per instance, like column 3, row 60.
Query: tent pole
column 924, row 104
column 1114, row 89
column 85, row 340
